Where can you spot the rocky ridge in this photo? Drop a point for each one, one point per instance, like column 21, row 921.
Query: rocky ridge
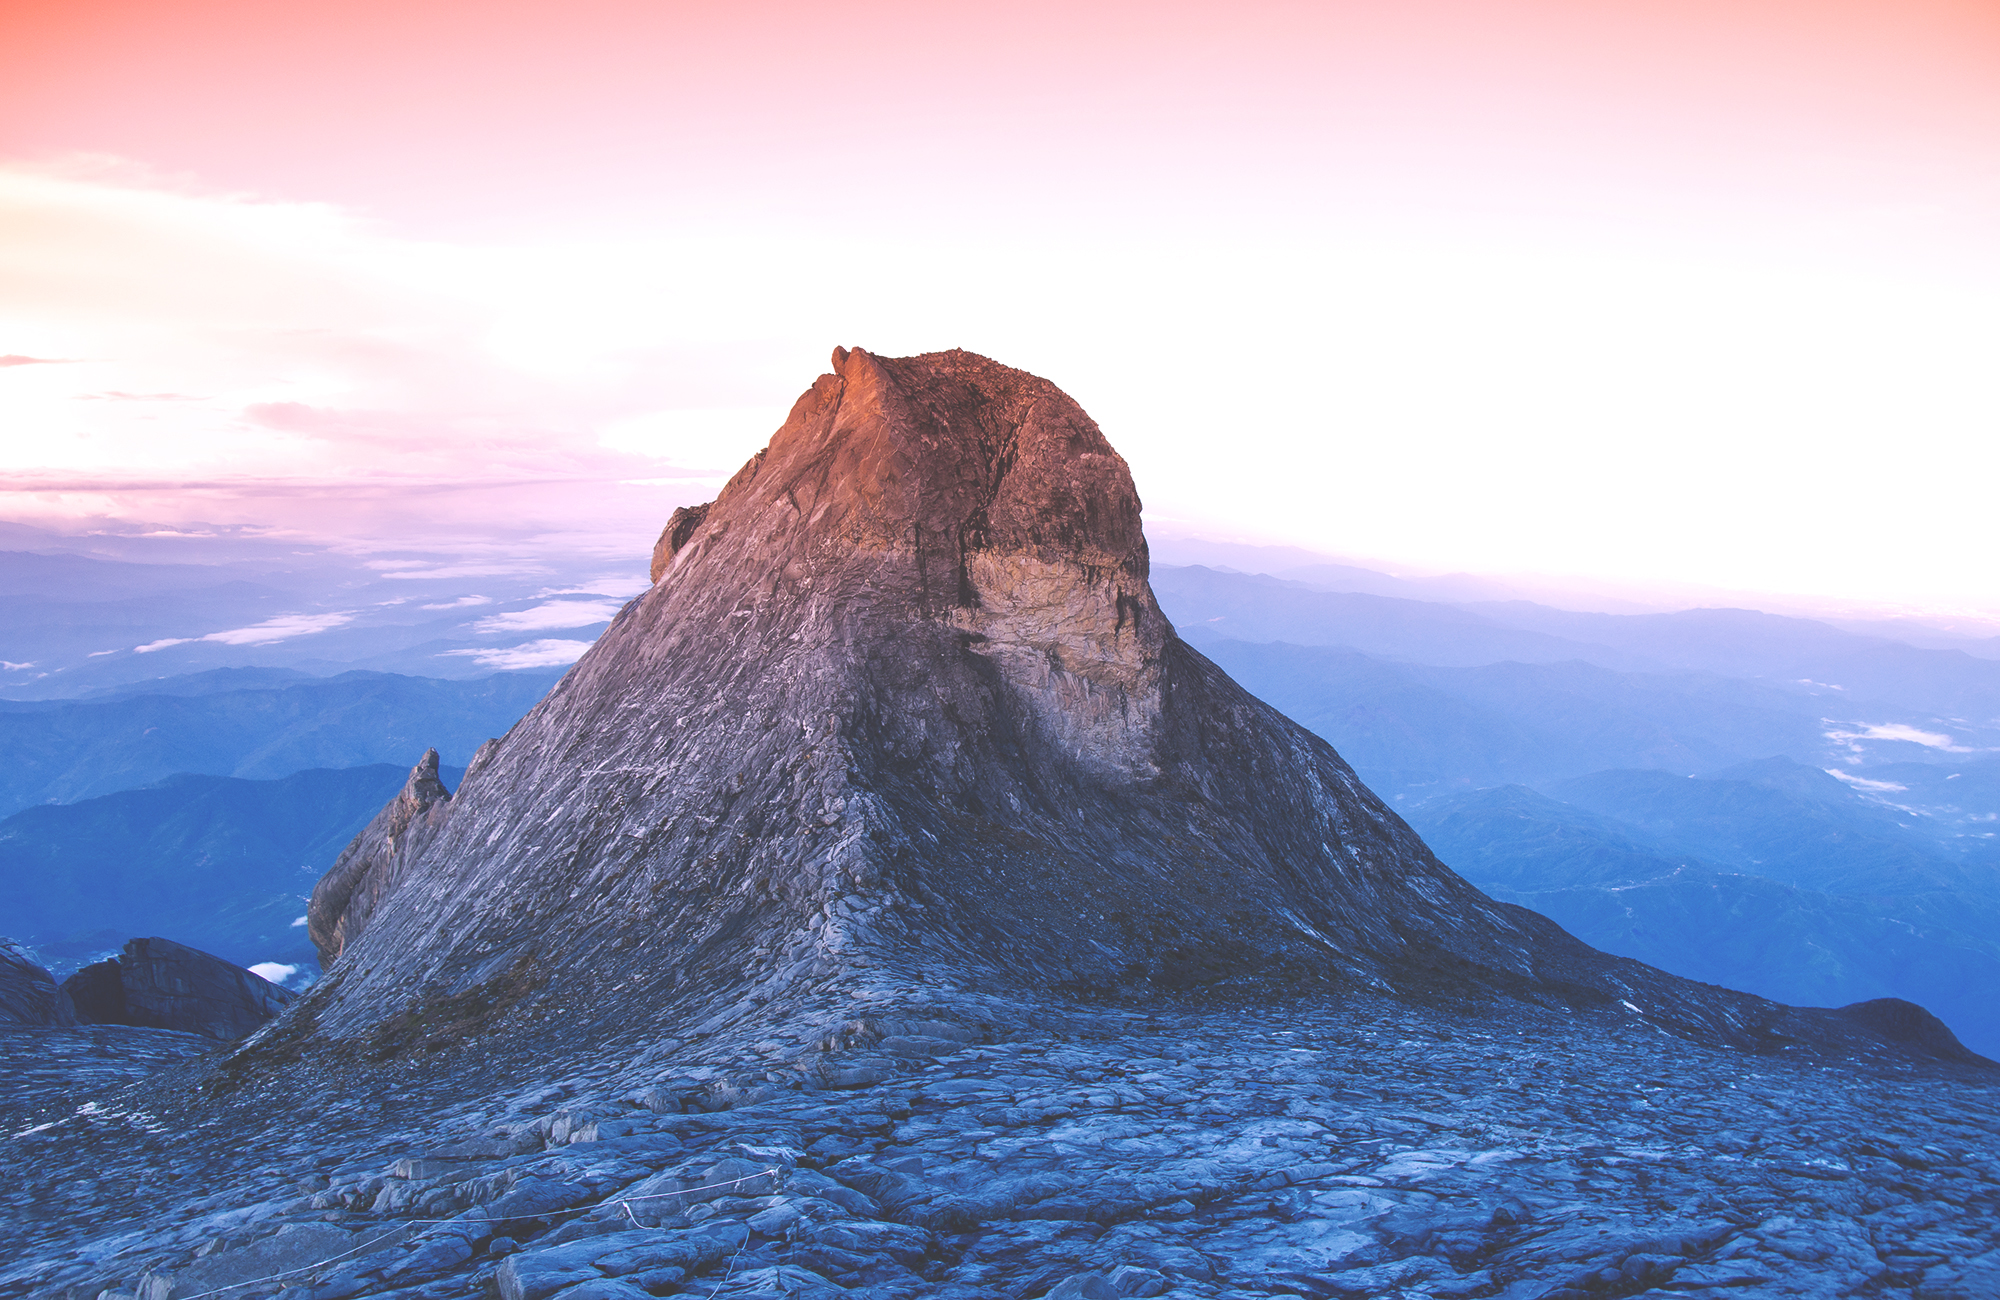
column 373, row 863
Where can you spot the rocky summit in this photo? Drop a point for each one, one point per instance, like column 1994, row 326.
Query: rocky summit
column 901, row 713
column 891, row 904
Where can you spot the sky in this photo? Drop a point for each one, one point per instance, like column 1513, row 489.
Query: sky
column 1647, row 293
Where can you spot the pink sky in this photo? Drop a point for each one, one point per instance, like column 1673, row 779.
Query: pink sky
column 1654, row 291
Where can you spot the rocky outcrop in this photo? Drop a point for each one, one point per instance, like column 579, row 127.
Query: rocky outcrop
column 900, row 713
column 27, row 991
column 1909, row 1025
column 372, row 863
column 680, row 526
column 159, row 984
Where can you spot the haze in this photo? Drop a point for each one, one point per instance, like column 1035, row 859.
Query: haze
column 1657, row 295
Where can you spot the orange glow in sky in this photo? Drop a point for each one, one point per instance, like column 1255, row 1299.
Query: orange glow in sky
column 1653, row 292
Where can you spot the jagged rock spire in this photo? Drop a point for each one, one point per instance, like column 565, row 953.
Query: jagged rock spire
column 372, row 863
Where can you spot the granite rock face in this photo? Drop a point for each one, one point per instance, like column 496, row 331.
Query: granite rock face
column 27, row 991
column 900, row 709
column 159, row 984
column 371, row 865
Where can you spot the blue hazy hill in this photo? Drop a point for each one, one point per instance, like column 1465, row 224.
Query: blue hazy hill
column 1769, row 803
column 1786, row 821
column 1418, row 728
column 1614, row 886
column 63, row 751
column 218, row 863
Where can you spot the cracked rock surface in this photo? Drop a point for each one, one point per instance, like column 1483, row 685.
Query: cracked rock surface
column 1330, row 1147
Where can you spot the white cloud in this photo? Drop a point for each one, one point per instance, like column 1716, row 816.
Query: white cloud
column 1863, row 783
column 624, row 585
column 11, row 666
column 553, row 614
column 1900, row 731
column 474, row 570
column 299, row 922
column 276, row 972
column 461, row 603
column 282, row 628
column 531, row 654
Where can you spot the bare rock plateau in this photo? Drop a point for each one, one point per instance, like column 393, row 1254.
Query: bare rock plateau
column 890, row 904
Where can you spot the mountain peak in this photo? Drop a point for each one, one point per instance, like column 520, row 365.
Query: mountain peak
column 972, row 495
column 900, row 717
column 948, row 454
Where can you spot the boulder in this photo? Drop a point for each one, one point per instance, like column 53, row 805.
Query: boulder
column 159, row 984
column 27, row 992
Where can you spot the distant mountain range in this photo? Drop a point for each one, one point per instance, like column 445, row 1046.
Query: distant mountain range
column 1799, row 941
column 1769, row 803
column 218, row 863
column 1848, row 676
column 63, row 751
column 1420, row 694
column 1805, row 810
column 80, row 623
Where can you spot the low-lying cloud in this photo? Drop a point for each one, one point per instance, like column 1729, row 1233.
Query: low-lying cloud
column 1899, row 731
column 271, row 630
column 531, row 654
column 1863, row 783
column 551, row 615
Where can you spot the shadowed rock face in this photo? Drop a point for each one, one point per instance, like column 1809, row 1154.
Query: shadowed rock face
column 159, row 984
column 1907, row 1023
column 27, row 991
column 899, row 711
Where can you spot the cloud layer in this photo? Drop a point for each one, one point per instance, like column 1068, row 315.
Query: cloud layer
column 531, row 654
column 551, row 615
column 1646, row 292
column 269, row 632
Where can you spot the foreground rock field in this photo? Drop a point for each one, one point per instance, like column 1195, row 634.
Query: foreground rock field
column 1355, row 1147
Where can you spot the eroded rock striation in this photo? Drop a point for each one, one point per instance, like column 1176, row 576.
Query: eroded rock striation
column 900, row 711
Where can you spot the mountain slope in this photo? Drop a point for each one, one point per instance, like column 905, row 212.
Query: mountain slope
column 901, row 712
